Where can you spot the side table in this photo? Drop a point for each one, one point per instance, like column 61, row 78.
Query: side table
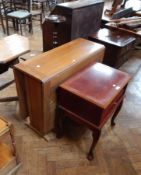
column 90, row 98
column 118, row 45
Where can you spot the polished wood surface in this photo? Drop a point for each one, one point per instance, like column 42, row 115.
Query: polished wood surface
column 99, row 84
column 118, row 45
column 77, row 23
column 43, row 74
column 13, row 46
column 53, row 62
column 3, row 125
column 5, row 155
column 90, row 98
column 116, row 38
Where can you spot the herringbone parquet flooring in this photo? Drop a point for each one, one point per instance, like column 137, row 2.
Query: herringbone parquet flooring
column 118, row 151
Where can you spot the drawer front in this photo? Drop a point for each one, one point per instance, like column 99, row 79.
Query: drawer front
column 122, row 59
column 85, row 110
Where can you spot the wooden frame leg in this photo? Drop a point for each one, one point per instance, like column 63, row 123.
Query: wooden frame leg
column 2, row 23
column 7, row 26
column 116, row 113
column 20, row 27
column 30, row 24
column 11, row 130
column 96, row 135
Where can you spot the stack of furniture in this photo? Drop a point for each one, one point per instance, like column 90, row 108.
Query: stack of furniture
column 83, row 18
column 43, row 74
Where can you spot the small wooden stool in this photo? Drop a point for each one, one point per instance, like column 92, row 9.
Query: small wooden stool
column 31, row 54
column 9, row 162
column 118, row 45
column 90, row 98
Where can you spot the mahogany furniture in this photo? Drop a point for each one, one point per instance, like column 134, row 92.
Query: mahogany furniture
column 118, row 45
column 9, row 162
column 54, row 25
column 91, row 97
column 37, row 79
column 11, row 47
column 83, row 18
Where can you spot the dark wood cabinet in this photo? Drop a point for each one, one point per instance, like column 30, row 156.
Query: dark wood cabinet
column 119, row 45
column 90, row 98
column 83, row 18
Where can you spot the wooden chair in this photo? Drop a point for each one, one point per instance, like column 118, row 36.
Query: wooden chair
column 9, row 161
column 117, row 4
column 18, row 11
column 44, row 4
column 36, row 13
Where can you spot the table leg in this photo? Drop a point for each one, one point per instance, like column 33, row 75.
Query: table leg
column 96, row 135
column 59, row 122
column 116, row 113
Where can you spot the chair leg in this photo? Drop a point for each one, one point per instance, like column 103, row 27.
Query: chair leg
column 2, row 23
column 20, row 27
column 7, row 27
column 41, row 19
column 30, row 25
column 11, row 130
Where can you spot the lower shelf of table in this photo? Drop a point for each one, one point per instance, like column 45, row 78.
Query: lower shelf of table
column 8, row 163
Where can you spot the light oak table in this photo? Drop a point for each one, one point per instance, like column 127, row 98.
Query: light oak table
column 11, row 47
column 37, row 79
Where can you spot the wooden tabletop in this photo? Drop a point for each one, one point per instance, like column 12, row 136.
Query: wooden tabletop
column 11, row 47
column 114, row 37
column 55, row 61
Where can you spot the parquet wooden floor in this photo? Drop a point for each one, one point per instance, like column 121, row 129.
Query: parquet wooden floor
column 117, row 153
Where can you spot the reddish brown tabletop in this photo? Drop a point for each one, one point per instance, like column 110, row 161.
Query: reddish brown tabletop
column 99, row 84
